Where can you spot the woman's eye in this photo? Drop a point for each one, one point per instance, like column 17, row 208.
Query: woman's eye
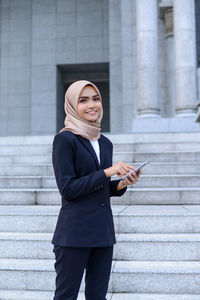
column 96, row 99
column 83, row 100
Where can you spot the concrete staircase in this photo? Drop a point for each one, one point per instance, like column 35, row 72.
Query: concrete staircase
column 157, row 221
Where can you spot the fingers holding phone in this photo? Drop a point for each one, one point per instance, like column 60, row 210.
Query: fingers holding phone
column 132, row 178
column 136, row 171
column 120, row 169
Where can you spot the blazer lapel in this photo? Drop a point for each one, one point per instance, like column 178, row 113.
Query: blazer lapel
column 102, row 151
column 89, row 147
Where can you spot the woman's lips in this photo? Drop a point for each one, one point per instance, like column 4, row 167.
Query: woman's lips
column 92, row 112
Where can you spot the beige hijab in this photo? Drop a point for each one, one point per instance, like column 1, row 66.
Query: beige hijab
column 73, row 122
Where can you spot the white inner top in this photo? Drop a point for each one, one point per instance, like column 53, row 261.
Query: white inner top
column 95, row 145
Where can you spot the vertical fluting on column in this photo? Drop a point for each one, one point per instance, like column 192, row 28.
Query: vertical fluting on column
column 185, row 56
column 147, row 57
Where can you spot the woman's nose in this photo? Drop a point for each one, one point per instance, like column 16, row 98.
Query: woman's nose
column 91, row 103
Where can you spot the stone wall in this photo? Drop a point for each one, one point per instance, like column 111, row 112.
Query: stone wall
column 36, row 36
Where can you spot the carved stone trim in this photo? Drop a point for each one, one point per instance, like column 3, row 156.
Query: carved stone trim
column 169, row 21
column 167, row 15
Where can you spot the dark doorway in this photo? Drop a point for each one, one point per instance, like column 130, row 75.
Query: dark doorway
column 97, row 73
column 197, row 14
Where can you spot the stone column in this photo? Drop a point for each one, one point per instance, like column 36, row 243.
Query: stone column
column 116, row 123
column 147, row 57
column 185, row 56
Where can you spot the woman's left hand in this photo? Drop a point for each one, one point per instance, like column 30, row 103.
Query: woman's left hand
column 133, row 179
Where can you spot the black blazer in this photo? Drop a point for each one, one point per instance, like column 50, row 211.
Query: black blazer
column 85, row 218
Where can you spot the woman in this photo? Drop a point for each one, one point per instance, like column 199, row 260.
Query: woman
column 82, row 161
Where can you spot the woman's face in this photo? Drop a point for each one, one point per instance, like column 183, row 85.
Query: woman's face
column 89, row 104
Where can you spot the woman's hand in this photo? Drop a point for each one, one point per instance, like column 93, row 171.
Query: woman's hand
column 119, row 169
column 133, row 179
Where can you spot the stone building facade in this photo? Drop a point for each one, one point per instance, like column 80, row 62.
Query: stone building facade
column 142, row 54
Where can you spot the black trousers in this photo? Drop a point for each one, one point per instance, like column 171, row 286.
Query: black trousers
column 70, row 264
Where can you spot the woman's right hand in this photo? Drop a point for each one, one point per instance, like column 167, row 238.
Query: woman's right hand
column 119, row 169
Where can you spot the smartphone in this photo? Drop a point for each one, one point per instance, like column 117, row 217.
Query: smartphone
column 146, row 163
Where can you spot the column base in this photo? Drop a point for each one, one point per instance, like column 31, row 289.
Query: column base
column 186, row 112
column 148, row 113
column 175, row 124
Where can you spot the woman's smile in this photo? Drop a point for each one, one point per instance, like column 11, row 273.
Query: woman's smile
column 92, row 112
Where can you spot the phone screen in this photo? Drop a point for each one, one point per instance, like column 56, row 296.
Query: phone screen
column 146, row 163
column 141, row 167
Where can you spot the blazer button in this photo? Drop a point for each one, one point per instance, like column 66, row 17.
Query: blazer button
column 99, row 187
column 102, row 204
column 102, row 186
column 95, row 188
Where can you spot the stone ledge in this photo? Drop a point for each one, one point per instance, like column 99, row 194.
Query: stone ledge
column 166, row 125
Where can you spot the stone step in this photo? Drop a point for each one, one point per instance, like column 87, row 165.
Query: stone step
column 156, row 277
column 127, row 276
column 156, row 146
column 136, row 296
column 26, row 245
column 158, row 219
column 24, row 149
column 183, row 180
column 38, row 295
column 43, row 295
column 27, row 170
column 46, row 149
column 25, row 159
column 27, row 274
column 170, row 137
column 145, row 181
column 156, row 168
column 157, row 247
column 132, row 196
column 127, row 218
column 168, row 156
column 154, row 196
column 169, row 168
column 28, row 218
column 27, row 182
column 151, row 247
column 28, row 295
column 30, row 140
